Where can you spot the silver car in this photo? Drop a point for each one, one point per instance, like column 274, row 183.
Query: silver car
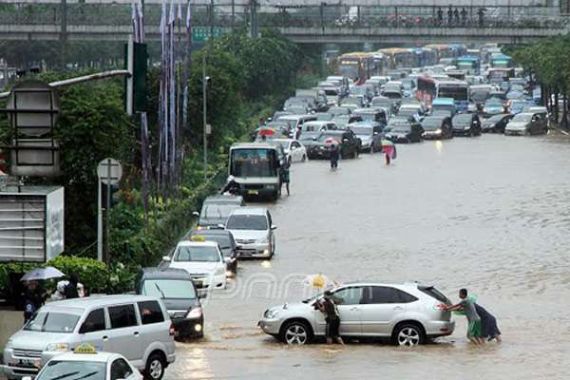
column 253, row 230
column 408, row 314
column 137, row 327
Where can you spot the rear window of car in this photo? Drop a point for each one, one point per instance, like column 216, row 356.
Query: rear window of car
column 122, row 316
column 151, row 312
column 434, row 293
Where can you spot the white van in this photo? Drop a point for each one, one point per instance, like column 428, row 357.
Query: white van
column 137, row 327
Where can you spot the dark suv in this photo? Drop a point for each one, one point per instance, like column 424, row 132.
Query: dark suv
column 349, row 144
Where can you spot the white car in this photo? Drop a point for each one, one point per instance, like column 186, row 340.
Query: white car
column 294, row 150
column 252, row 228
column 203, row 260
column 86, row 363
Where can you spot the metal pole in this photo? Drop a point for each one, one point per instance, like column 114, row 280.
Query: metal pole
column 99, row 222
column 107, row 209
column 204, row 114
column 63, row 35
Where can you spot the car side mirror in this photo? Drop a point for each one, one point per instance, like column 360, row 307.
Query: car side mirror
column 166, row 259
column 273, row 227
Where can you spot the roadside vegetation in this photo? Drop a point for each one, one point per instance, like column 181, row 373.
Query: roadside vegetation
column 546, row 61
column 250, row 77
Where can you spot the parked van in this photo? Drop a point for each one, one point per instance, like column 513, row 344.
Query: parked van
column 137, row 327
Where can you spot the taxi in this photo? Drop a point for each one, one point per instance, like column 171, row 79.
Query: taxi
column 86, row 363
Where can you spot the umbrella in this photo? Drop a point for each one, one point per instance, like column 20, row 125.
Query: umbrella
column 317, row 281
column 42, row 274
column 266, row 132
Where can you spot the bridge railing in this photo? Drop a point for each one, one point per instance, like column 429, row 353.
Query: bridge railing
column 321, row 16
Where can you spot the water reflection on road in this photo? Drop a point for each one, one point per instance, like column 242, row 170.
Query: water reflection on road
column 488, row 213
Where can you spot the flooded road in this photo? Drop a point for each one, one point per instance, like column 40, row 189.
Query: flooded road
column 490, row 214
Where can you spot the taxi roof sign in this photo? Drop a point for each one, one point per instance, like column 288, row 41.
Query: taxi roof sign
column 85, row 348
column 198, row 238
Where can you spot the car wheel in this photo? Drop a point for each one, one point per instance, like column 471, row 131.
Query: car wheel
column 408, row 334
column 155, row 366
column 296, row 333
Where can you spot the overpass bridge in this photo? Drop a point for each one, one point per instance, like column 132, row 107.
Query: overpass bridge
column 396, row 22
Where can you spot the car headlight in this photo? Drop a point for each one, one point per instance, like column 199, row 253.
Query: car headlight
column 8, row 344
column 438, row 131
column 195, row 313
column 271, row 313
column 466, row 127
column 57, row 347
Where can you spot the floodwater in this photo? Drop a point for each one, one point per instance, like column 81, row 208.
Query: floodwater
column 488, row 213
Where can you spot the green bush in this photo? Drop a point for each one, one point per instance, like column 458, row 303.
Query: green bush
column 92, row 273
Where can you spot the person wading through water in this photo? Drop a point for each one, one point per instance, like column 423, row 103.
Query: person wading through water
column 328, row 307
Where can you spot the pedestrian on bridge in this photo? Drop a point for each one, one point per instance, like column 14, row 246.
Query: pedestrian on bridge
column 456, row 15
column 464, row 16
column 449, row 15
column 439, row 16
column 481, row 14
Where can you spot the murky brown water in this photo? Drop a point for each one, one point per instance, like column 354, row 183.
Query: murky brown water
column 491, row 214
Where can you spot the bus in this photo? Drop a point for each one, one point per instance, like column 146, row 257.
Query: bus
column 426, row 90
column 423, row 57
column 456, row 89
column 441, row 51
column 457, row 50
column 471, row 64
column 501, row 61
column 395, row 58
column 498, row 75
column 256, row 167
column 359, row 66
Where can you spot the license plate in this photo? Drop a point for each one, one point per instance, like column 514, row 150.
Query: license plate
column 253, row 192
column 27, row 363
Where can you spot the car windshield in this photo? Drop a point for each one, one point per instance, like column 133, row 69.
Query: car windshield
column 401, row 128
column 307, row 137
column 247, row 222
column 479, row 96
column 168, row 288
column 363, row 131
column 407, row 111
column 219, row 210
column 54, row 322
column 522, row 118
column 495, row 119
column 254, row 162
column 73, row 370
column 338, row 111
column 494, row 102
column 366, row 116
column 223, row 240
column 382, row 103
column 431, row 123
column 462, row 118
column 202, row 253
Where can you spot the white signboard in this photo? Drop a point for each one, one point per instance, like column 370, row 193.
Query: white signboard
column 55, row 225
column 110, row 171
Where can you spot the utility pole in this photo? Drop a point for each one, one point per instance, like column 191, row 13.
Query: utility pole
column 63, row 34
column 254, row 25
column 204, row 113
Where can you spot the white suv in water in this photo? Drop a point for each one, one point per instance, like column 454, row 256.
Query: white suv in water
column 408, row 314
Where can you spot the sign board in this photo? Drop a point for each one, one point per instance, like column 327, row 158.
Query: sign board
column 31, row 223
column 110, row 171
column 202, row 33
column 208, row 129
